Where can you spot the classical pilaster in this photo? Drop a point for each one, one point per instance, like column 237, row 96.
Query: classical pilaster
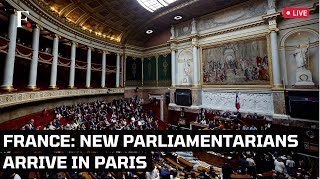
column 196, row 98
column 161, row 108
column 275, row 59
column 196, row 62
column 103, row 73
column 54, row 66
column 172, row 97
column 35, row 55
column 10, row 58
column 122, row 71
column 157, row 70
column 72, row 65
column 118, row 71
column 276, row 74
column 88, row 75
column 173, row 65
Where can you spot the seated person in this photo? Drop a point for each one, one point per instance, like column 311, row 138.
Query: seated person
column 221, row 126
column 245, row 127
column 165, row 173
column 212, row 173
column 204, row 175
column 203, row 121
column 211, row 125
column 226, row 114
column 253, row 128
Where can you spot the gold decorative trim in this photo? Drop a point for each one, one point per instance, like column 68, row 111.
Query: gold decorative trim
column 11, row 99
column 278, row 87
column 72, row 87
column 196, row 86
column 261, row 34
column 232, row 29
column 33, row 88
column 53, row 87
column 8, row 88
column 269, row 59
column 237, row 86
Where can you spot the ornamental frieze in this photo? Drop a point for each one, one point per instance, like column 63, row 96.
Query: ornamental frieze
column 25, row 97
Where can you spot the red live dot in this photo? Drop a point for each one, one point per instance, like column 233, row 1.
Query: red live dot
column 28, row 25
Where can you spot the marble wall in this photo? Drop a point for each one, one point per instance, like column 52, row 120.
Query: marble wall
column 184, row 67
column 251, row 102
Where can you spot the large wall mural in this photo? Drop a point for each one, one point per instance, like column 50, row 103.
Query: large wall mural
column 237, row 63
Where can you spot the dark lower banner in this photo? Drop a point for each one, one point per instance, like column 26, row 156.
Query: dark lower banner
column 119, row 150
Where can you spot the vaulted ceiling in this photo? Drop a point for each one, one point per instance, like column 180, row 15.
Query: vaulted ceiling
column 126, row 21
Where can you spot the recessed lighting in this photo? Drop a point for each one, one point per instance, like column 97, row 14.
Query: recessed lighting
column 149, row 31
column 178, row 17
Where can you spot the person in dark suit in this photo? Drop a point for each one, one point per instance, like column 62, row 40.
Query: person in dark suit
column 226, row 171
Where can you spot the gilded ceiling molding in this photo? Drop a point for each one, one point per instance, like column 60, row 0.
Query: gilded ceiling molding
column 232, row 29
column 66, row 10
column 82, row 18
column 62, row 23
column 58, row 20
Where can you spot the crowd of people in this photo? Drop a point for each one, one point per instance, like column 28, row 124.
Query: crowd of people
column 260, row 164
column 129, row 115
column 227, row 120
column 100, row 115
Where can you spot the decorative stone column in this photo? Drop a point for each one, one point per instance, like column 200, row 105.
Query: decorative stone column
column 196, row 62
column 88, row 75
column 196, row 94
column 276, row 74
column 173, row 65
column 161, row 108
column 72, row 65
column 10, row 58
column 277, row 90
column 172, row 97
column 118, row 71
column 103, row 73
column 122, row 71
column 54, row 66
column 275, row 59
column 35, row 56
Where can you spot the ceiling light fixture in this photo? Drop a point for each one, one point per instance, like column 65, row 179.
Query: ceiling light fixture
column 177, row 17
column 152, row 5
column 149, row 31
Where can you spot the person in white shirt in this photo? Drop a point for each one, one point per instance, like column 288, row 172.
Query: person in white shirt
column 51, row 127
column 290, row 165
column 15, row 176
column 279, row 167
column 251, row 166
column 154, row 174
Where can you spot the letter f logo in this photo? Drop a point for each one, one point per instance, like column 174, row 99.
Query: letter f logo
column 19, row 14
